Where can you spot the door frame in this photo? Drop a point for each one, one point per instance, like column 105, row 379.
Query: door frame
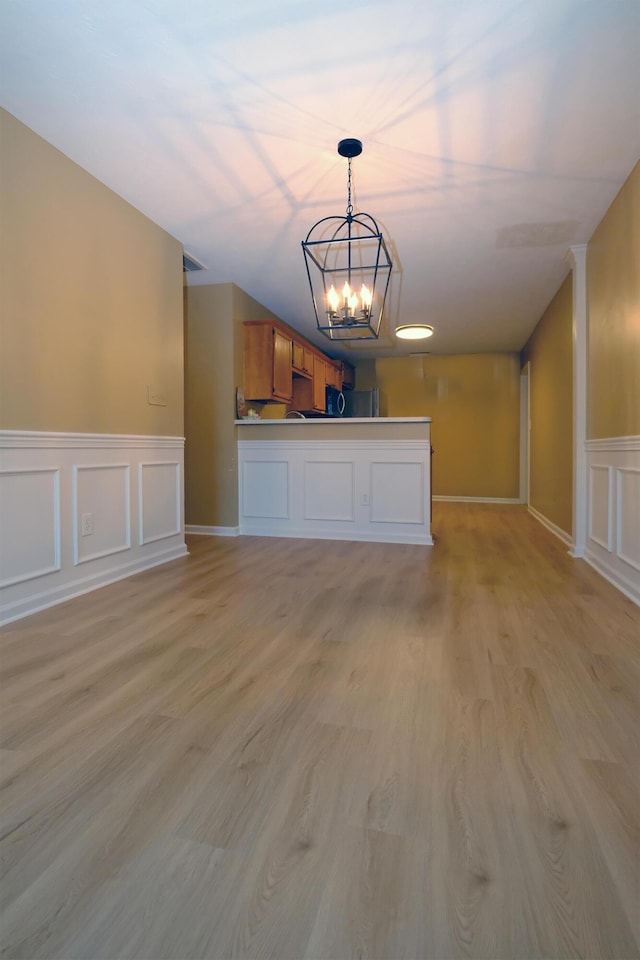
column 525, row 433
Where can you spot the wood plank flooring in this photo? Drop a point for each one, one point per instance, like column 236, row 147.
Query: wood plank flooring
column 306, row 750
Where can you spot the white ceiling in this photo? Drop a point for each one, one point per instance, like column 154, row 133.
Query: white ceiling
column 496, row 133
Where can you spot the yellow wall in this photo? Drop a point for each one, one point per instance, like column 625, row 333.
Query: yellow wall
column 613, row 299
column 474, row 404
column 90, row 300
column 550, row 353
column 210, row 459
column 214, row 350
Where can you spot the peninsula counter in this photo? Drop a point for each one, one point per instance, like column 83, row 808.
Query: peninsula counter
column 338, row 479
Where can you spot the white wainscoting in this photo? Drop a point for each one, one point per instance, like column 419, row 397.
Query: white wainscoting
column 338, row 490
column 613, row 519
column 78, row 511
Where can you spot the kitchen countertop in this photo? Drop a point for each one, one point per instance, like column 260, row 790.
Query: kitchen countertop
column 323, row 430
column 334, row 420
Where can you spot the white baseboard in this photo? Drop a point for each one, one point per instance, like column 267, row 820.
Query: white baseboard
column 205, row 531
column 477, row 499
column 552, row 527
column 81, row 510
column 50, row 598
column 354, row 536
column 630, row 590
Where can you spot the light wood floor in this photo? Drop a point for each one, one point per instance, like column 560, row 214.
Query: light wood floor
column 310, row 749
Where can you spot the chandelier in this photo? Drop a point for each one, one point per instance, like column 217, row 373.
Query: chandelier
column 348, row 267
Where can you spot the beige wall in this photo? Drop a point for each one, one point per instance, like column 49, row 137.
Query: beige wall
column 90, row 300
column 214, row 317
column 613, row 300
column 474, row 403
column 550, row 354
column 210, row 456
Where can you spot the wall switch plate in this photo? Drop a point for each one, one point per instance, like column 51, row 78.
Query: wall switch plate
column 156, row 397
column 86, row 524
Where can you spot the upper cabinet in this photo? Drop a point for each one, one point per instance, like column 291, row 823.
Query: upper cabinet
column 333, row 374
column 302, row 359
column 347, row 376
column 280, row 365
column 267, row 363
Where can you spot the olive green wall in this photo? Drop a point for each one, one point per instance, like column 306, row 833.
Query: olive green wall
column 213, row 333
column 90, row 301
column 550, row 354
column 613, row 302
column 474, row 403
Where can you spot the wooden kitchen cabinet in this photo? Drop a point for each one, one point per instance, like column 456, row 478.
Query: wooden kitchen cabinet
column 333, row 376
column 267, row 363
column 309, row 395
column 319, row 384
column 279, row 365
column 302, row 360
column 347, row 376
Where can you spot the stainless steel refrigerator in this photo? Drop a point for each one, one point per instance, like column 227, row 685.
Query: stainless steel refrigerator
column 362, row 403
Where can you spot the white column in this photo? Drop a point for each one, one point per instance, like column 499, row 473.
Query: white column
column 577, row 257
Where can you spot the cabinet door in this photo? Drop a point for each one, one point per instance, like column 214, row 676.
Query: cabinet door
column 282, row 389
column 319, row 385
column 258, row 361
column 333, row 376
column 347, row 376
column 307, row 364
column 298, row 356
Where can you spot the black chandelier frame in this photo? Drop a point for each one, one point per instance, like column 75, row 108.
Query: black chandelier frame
column 348, row 249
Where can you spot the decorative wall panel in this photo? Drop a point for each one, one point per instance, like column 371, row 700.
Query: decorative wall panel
column 160, row 506
column 329, row 490
column 613, row 496
column 600, row 526
column 397, row 492
column 69, row 503
column 101, row 511
column 336, row 489
column 265, row 489
column 628, row 515
column 29, row 524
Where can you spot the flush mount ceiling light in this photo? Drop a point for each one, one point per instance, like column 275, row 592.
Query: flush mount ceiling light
column 349, row 268
column 414, row 331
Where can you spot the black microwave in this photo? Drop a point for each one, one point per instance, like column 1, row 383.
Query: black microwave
column 334, row 402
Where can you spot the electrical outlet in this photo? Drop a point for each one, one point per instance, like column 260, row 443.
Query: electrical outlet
column 365, row 500
column 86, row 524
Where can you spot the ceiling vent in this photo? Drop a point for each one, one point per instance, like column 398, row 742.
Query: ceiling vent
column 190, row 264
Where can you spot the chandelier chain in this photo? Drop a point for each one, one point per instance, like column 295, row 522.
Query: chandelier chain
column 349, row 204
